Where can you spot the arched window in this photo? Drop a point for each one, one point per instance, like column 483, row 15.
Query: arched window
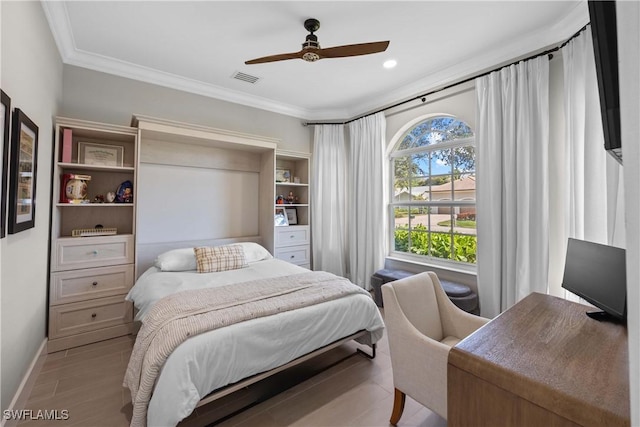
column 433, row 195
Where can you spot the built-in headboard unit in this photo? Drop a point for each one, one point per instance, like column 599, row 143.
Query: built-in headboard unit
column 201, row 186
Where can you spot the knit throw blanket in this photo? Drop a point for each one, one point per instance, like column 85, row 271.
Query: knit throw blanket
column 175, row 318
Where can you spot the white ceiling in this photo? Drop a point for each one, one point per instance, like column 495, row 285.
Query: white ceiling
column 197, row 46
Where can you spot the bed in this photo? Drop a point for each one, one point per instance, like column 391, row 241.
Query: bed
column 219, row 361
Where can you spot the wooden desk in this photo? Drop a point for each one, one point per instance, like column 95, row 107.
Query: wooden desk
column 543, row 362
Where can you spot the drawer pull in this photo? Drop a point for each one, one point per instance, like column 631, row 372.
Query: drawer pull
column 292, row 236
column 293, row 256
column 94, row 284
column 93, row 315
column 94, row 252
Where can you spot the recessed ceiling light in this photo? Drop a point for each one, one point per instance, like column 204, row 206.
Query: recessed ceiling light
column 390, row 63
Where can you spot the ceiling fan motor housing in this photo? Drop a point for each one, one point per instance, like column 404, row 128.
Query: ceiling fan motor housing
column 311, row 42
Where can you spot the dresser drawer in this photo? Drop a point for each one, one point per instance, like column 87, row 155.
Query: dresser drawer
column 85, row 252
column 292, row 235
column 79, row 285
column 294, row 254
column 86, row 316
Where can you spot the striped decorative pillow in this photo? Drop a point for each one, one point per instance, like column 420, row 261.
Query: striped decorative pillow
column 219, row 258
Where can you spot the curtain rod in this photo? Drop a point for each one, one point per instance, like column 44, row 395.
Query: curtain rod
column 423, row 96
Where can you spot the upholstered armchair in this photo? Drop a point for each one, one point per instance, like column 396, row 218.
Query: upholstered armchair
column 422, row 326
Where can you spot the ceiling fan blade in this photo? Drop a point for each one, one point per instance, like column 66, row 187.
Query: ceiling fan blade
column 273, row 58
column 353, row 49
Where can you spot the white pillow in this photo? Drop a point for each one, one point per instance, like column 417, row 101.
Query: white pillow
column 177, row 260
column 254, row 252
column 185, row 259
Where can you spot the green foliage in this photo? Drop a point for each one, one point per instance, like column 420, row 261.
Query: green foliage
column 417, row 242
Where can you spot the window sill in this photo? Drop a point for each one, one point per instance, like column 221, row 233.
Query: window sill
column 454, row 268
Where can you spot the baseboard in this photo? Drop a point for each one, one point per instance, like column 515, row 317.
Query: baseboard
column 19, row 400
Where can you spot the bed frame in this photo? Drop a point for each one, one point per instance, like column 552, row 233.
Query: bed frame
column 224, row 391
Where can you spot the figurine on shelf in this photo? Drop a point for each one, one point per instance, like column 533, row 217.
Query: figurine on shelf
column 291, row 198
column 128, row 195
column 98, row 199
column 280, row 200
column 125, row 193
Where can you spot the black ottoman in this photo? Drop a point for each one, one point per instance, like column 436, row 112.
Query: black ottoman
column 461, row 295
column 383, row 276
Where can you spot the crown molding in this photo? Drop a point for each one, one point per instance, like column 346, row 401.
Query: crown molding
column 57, row 16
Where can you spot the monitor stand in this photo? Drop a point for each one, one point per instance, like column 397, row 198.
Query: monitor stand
column 602, row 316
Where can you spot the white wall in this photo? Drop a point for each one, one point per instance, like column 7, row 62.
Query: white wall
column 628, row 14
column 31, row 74
column 101, row 97
column 459, row 101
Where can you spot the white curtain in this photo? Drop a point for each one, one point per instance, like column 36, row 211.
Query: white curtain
column 512, row 142
column 328, row 200
column 592, row 198
column 367, row 236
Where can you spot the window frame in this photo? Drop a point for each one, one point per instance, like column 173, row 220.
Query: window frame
column 393, row 154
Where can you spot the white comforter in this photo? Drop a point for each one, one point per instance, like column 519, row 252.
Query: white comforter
column 223, row 356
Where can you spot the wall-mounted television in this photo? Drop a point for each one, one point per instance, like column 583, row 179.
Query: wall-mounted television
column 597, row 273
column 602, row 15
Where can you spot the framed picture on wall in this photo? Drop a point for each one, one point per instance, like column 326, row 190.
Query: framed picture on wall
column 292, row 216
column 280, row 218
column 22, row 183
column 5, row 114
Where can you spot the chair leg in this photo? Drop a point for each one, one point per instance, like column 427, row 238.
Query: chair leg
column 398, row 406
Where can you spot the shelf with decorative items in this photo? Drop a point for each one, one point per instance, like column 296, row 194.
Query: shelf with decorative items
column 92, row 232
column 292, row 241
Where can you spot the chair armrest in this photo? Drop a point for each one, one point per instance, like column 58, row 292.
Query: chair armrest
column 455, row 321
column 463, row 324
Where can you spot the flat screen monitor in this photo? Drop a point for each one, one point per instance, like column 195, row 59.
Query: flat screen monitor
column 597, row 273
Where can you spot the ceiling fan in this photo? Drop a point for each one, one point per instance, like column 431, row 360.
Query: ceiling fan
column 312, row 52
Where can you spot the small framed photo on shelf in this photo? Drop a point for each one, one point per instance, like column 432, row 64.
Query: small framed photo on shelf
column 292, row 216
column 283, row 175
column 100, row 154
column 280, row 218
